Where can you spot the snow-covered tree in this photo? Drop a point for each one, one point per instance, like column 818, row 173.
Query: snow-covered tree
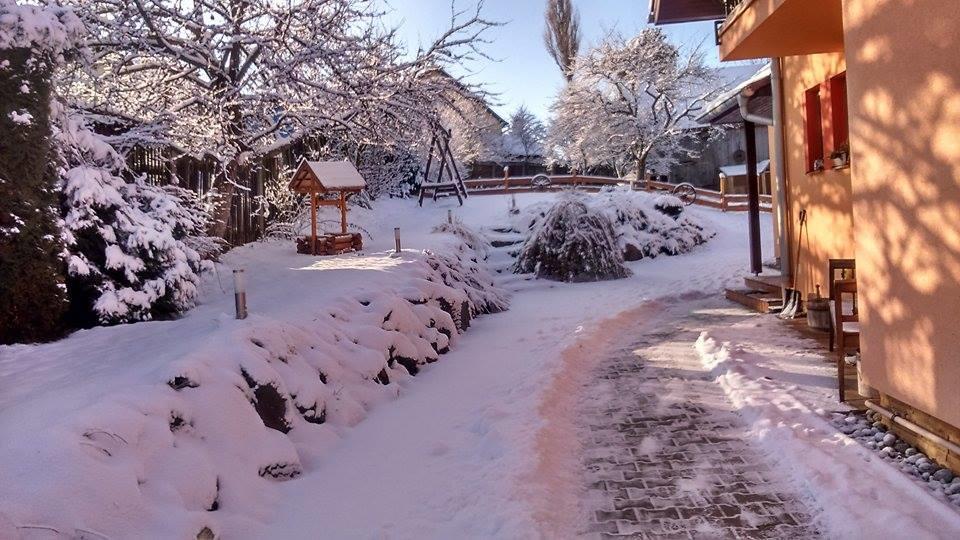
column 126, row 241
column 562, row 35
column 525, row 134
column 583, row 138
column 119, row 246
column 631, row 97
column 33, row 43
column 231, row 79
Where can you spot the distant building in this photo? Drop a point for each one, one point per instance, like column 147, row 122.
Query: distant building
column 712, row 151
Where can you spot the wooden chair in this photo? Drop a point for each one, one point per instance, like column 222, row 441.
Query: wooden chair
column 838, row 269
column 847, row 328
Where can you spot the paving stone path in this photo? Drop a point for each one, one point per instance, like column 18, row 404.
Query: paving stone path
column 666, row 456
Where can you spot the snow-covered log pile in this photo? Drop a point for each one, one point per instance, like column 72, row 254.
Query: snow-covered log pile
column 257, row 403
column 588, row 237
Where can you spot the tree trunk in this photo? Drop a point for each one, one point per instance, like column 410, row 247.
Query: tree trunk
column 641, row 172
column 230, row 175
column 227, row 178
column 33, row 298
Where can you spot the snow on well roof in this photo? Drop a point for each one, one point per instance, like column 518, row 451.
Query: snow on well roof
column 741, row 170
column 331, row 175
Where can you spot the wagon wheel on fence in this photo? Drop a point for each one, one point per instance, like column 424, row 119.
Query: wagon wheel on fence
column 686, row 193
column 541, row 181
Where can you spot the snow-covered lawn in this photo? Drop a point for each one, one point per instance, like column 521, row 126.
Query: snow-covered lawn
column 476, row 445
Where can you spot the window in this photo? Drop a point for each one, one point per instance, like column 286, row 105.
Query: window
column 838, row 112
column 813, row 121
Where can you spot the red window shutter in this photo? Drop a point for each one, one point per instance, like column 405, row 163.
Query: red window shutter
column 813, row 121
column 838, row 110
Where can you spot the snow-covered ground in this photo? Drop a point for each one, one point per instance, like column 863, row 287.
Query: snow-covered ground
column 474, row 446
column 785, row 391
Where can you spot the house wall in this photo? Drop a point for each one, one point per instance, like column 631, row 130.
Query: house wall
column 904, row 103
column 826, row 195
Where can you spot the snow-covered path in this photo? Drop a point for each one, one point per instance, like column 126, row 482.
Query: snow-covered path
column 664, row 451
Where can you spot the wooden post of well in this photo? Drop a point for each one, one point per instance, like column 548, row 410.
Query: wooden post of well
column 313, row 222
column 343, row 212
column 723, row 193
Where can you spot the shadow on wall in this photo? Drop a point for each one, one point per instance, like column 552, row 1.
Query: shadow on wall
column 905, row 128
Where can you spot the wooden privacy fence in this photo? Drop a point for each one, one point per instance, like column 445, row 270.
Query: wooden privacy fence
column 726, row 202
column 245, row 223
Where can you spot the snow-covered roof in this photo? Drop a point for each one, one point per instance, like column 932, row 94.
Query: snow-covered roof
column 728, row 99
column 729, row 80
column 327, row 176
column 741, row 170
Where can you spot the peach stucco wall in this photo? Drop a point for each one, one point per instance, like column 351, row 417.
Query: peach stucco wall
column 825, row 195
column 904, row 99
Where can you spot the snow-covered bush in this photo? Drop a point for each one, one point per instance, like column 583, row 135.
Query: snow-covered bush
column 476, row 241
column 573, row 241
column 125, row 240
column 389, row 172
column 462, row 270
column 585, row 237
column 669, row 205
column 647, row 226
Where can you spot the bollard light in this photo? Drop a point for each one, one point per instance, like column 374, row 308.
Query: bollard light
column 240, row 293
column 450, row 216
column 396, row 236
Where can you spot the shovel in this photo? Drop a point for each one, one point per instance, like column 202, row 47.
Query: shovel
column 792, row 306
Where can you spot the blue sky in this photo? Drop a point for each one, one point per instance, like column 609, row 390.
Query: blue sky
column 524, row 73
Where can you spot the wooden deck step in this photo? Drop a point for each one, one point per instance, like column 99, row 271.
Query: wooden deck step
column 771, row 284
column 761, row 301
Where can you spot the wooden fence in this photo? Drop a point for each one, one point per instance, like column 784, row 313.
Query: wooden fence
column 726, row 202
column 164, row 166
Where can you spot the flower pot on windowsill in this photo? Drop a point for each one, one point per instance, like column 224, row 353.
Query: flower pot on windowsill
column 841, row 157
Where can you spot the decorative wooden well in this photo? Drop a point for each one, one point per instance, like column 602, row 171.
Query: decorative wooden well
column 319, row 178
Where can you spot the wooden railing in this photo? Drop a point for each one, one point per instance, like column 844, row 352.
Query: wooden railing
column 726, row 202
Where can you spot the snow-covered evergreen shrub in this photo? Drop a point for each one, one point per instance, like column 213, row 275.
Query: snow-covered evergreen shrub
column 645, row 226
column 641, row 226
column 33, row 299
column 669, row 205
column 572, row 242
column 463, row 271
column 472, row 238
column 125, row 240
